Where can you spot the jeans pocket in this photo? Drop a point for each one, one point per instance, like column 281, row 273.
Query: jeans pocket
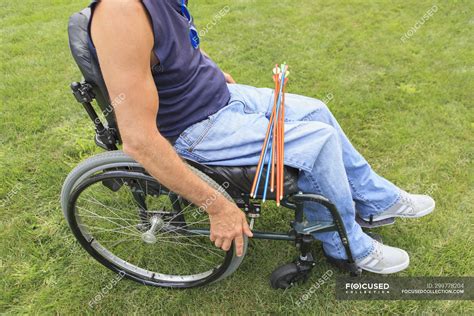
column 200, row 133
column 194, row 134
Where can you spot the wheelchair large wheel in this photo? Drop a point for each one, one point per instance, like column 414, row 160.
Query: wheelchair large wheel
column 135, row 226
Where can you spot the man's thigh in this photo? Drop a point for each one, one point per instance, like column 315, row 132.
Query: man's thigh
column 234, row 136
column 301, row 108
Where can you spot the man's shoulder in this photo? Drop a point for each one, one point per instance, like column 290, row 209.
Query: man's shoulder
column 122, row 21
column 121, row 6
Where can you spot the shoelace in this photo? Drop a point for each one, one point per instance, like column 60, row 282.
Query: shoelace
column 378, row 254
column 407, row 200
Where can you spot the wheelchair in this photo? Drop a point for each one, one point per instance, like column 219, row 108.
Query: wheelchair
column 135, row 226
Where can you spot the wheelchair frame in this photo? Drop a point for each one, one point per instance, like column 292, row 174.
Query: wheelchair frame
column 301, row 230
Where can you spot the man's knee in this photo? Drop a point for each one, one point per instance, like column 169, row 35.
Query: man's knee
column 331, row 136
column 302, row 108
column 328, row 130
column 324, row 109
column 321, row 133
column 311, row 136
column 321, row 112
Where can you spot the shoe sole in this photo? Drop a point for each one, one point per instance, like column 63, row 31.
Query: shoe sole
column 417, row 215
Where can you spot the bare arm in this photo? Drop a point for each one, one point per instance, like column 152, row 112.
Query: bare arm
column 124, row 40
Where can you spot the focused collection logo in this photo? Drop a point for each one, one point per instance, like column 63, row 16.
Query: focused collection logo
column 366, row 287
column 404, row 288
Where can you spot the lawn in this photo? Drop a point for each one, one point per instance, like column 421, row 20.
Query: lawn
column 404, row 100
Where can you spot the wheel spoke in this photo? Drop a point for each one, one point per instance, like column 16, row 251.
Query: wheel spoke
column 109, row 220
column 116, row 230
column 118, row 218
column 180, row 227
column 106, row 207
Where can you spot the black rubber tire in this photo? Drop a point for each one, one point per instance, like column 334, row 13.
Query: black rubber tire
column 283, row 276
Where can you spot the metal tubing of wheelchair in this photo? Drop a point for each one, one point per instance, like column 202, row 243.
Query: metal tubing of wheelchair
column 299, row 212
column 272, row 236
column 93, row 116
column 84, row 95
column 256, row 234
column 300, row 198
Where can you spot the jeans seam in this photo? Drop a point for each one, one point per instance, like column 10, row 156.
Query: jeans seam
column 191, row 155
column 184, row 136
column 296, row 164
column 201, row 137
column 245, row 108
column 313, row 181
column 336, row 243
column 305, row 118
column 393, row 203
column 357, row 194
column 237, row 96
column 361, row 197
column 381, row 210
column 336, row 239
column 367, row 253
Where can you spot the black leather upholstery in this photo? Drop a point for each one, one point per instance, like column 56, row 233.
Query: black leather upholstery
column 239, row 179
column 87, row 63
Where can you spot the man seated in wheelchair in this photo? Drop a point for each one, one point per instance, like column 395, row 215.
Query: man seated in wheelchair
column 179, row 104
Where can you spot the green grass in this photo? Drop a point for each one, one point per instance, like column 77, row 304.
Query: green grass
column 406, row 106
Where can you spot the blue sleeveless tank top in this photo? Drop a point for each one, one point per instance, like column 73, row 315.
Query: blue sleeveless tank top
column 190, row 85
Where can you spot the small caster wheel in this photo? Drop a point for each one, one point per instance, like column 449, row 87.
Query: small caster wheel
column 286, row 276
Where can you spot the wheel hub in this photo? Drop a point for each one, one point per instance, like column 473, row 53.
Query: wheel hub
column 157, row 223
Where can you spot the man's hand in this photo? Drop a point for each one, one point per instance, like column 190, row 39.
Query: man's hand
column 228, row 223
column 228, row 78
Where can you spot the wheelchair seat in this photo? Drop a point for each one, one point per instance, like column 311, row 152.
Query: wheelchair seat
column 236, row 180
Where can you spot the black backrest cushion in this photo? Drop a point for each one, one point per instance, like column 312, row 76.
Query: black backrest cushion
column 87, row 63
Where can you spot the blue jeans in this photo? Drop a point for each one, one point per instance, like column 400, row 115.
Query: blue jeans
column 314, row 143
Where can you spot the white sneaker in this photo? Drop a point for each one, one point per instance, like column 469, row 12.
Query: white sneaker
column 384, row 260
column 409, row 205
